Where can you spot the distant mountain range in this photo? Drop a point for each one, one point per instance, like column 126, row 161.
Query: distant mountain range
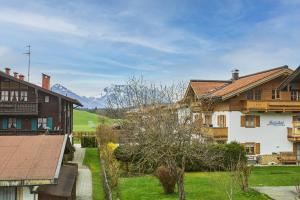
column 88, row 102
column 100, row 101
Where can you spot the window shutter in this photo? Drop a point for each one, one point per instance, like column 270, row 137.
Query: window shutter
column 33, row 124
column 19, row 123
column 257, row 121
column 243, row 121
column 50, row 123
column 257, row 148
column 5, row 123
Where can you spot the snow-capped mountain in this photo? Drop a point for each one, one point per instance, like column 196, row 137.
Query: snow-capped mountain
column 87, row 102
column 98, row 101
column 111, row 92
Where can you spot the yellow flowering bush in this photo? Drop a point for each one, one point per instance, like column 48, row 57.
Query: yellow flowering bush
column 112, row 146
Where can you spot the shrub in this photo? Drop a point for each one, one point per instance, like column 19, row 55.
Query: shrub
column 167, row 181
column 230, row 155
column 88, row 141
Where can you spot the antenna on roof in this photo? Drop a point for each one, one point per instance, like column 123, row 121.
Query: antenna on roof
column 29, row 54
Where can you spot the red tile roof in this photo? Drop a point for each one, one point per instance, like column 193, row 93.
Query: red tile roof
column 202, row 87
column 30, row 157
column 248, row 80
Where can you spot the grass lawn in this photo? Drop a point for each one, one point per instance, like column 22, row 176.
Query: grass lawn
column 86, row 121
column 208, row 185
column 92, row 160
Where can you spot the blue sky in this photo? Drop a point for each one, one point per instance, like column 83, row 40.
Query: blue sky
column 87, row 45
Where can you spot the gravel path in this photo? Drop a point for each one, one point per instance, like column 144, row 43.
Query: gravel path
column 84, row 180
column 278, row 192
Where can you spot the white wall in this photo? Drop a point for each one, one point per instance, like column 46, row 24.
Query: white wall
column 27, row 195
column 271, row 138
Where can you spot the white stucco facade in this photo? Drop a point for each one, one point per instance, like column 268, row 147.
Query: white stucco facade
column 271, row 134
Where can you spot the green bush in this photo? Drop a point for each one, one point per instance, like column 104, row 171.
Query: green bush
column 89, row 141
column 229, row 155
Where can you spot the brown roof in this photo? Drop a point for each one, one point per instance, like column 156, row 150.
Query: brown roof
column 249, row 80
column 75, row 101
column 66, row 182
column 24, row 158
column 201, row 87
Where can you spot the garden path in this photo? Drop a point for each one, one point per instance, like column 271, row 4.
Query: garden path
column 84, row 180
column 278, row 192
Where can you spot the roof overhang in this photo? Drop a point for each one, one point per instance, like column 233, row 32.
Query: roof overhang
column 74, row 101
column 257, row 83
column 32, row 182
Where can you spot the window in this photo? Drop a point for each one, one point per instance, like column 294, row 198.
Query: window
column 12, row 123
column 249, row 95
column 207, row 120
column 250, row 148
column 221, row 120
column 275, row 94
column 14, row 96
column 24, row 96
column 47, row 99
column 4, row 95
column 42, row 123
column 249, row 121
column 295, row 95
column 257, row 94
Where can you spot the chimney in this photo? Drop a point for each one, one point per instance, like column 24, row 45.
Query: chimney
column 45, row 81
column 235, row 75
column 7, row 70
column 16, row 74
column 21, row 77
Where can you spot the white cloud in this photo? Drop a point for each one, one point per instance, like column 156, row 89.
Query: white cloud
column 43, row 22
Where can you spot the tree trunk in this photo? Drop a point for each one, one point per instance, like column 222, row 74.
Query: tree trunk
column 180, row 185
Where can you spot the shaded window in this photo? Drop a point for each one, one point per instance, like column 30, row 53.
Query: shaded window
column 249, row 95
column 257, row 94
column 275, row 94
column 250, row 121
column 47, row 99
column 250, row 148
column 12, row 123
column 295, row 95
column 4, row 95
column 42, row 123
column 221, row 120
column 14, row 96
column 207, row 120
column 24, row 96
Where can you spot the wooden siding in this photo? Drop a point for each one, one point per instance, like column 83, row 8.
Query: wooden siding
column 58, row 109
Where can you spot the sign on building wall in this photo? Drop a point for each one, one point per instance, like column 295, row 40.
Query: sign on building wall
column 276, row 123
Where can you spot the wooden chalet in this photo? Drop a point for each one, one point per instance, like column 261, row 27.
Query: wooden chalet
column 260, row 110
column 26, row 108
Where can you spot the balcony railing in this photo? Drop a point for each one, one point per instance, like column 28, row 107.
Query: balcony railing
column 287, row 158
column 293, row 134
column 28, row 132
column 217, row 133
column 18, row 108
column 252, row 105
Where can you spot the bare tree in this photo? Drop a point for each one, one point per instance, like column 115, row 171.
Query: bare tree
column 158, row 137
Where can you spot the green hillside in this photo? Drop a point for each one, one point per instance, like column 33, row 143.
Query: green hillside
column 86, row 121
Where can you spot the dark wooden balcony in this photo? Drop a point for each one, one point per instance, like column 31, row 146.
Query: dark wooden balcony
column 18, row 108
column 275, row 105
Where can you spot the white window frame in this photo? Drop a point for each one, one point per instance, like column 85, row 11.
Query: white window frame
column 12, row 122
column 42, row 123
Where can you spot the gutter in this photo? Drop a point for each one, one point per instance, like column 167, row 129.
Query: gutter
column 56, row 175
